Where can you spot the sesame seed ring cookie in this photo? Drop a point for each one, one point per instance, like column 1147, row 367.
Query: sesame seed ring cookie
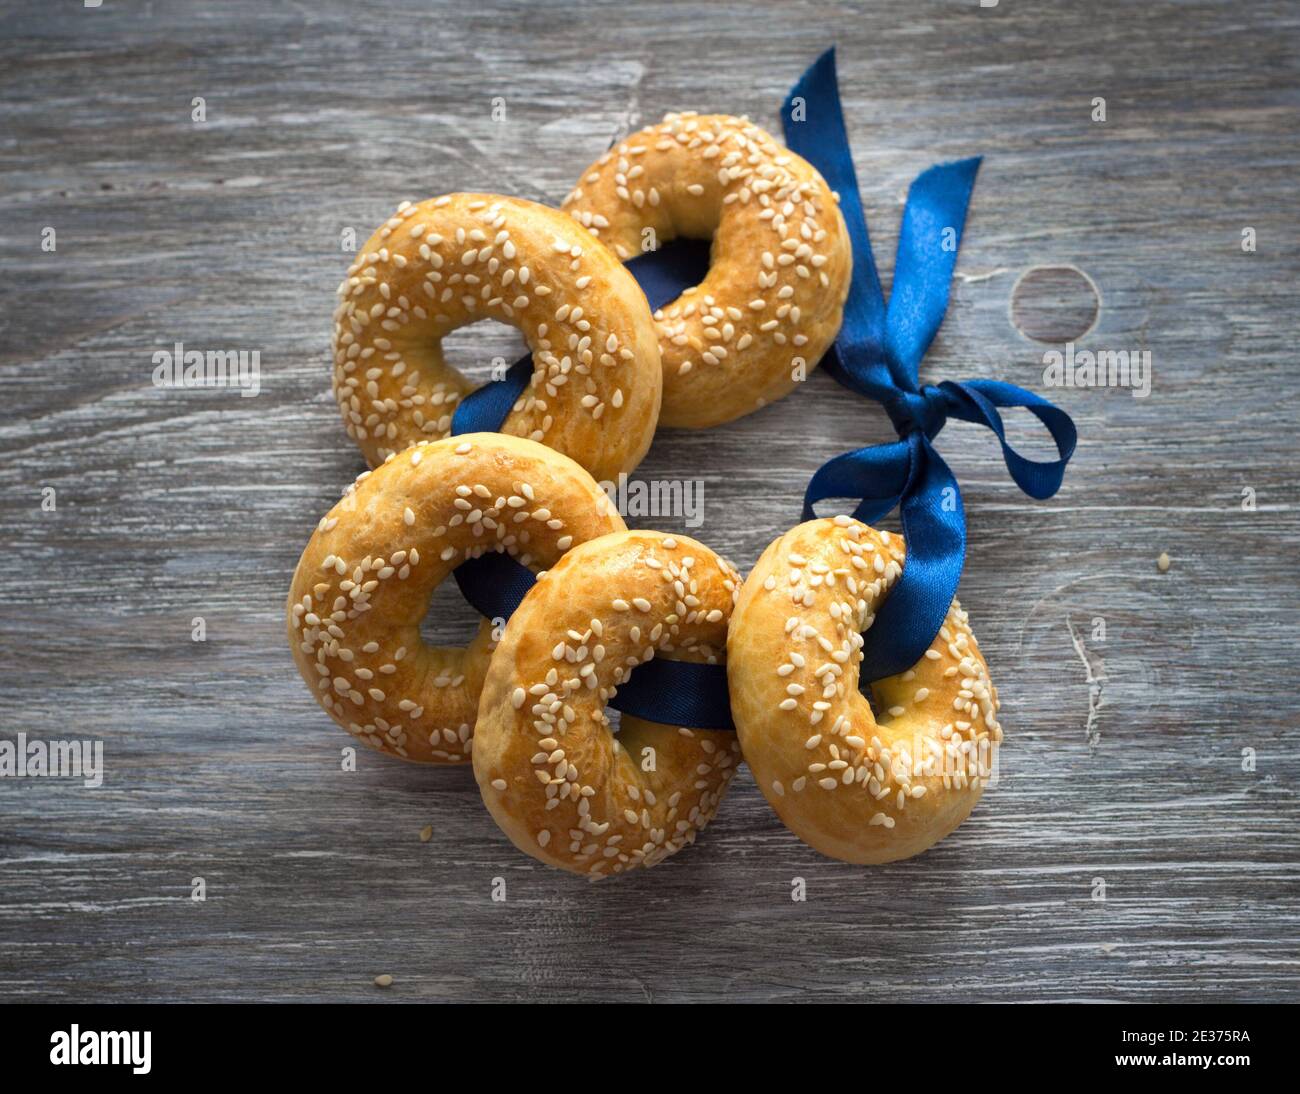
column 363, row 584
column 772, row 301
column 453, row 260
column 851, row 786
column 555, row 778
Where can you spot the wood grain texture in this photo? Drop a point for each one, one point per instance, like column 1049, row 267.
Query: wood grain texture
column 1123, row 758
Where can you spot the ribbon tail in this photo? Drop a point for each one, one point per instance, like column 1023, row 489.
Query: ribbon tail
column 812, row 118
column 934, row 530
column 933, row 220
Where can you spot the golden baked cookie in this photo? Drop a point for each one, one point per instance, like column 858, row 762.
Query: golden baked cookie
column 453, row 260
column 554, row 776
column 771, row 304
column 364, row 582
column 855, row 785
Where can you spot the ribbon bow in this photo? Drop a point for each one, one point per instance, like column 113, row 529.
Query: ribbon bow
column 878, row 354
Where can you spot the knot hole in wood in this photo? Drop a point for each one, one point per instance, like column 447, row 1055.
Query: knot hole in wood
column 1055, row 304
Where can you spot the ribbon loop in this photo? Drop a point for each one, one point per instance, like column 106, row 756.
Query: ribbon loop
column 933, row 220
column 978, row 401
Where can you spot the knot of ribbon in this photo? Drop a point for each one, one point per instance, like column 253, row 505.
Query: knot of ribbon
column 925, row 410
column 878, row 354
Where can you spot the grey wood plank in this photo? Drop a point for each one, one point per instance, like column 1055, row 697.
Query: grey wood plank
column 226, row 234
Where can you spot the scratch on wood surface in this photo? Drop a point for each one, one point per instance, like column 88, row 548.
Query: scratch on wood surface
column 1096, row 679
column 974, row 277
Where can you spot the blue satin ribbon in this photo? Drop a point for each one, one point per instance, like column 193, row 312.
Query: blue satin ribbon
column 878, row 354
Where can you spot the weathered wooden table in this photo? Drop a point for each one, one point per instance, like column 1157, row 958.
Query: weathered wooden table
column 1142, row 842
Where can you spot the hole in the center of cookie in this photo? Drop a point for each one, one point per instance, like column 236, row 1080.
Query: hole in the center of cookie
column 450, row 621
column 484, row 350
column 670, row 269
